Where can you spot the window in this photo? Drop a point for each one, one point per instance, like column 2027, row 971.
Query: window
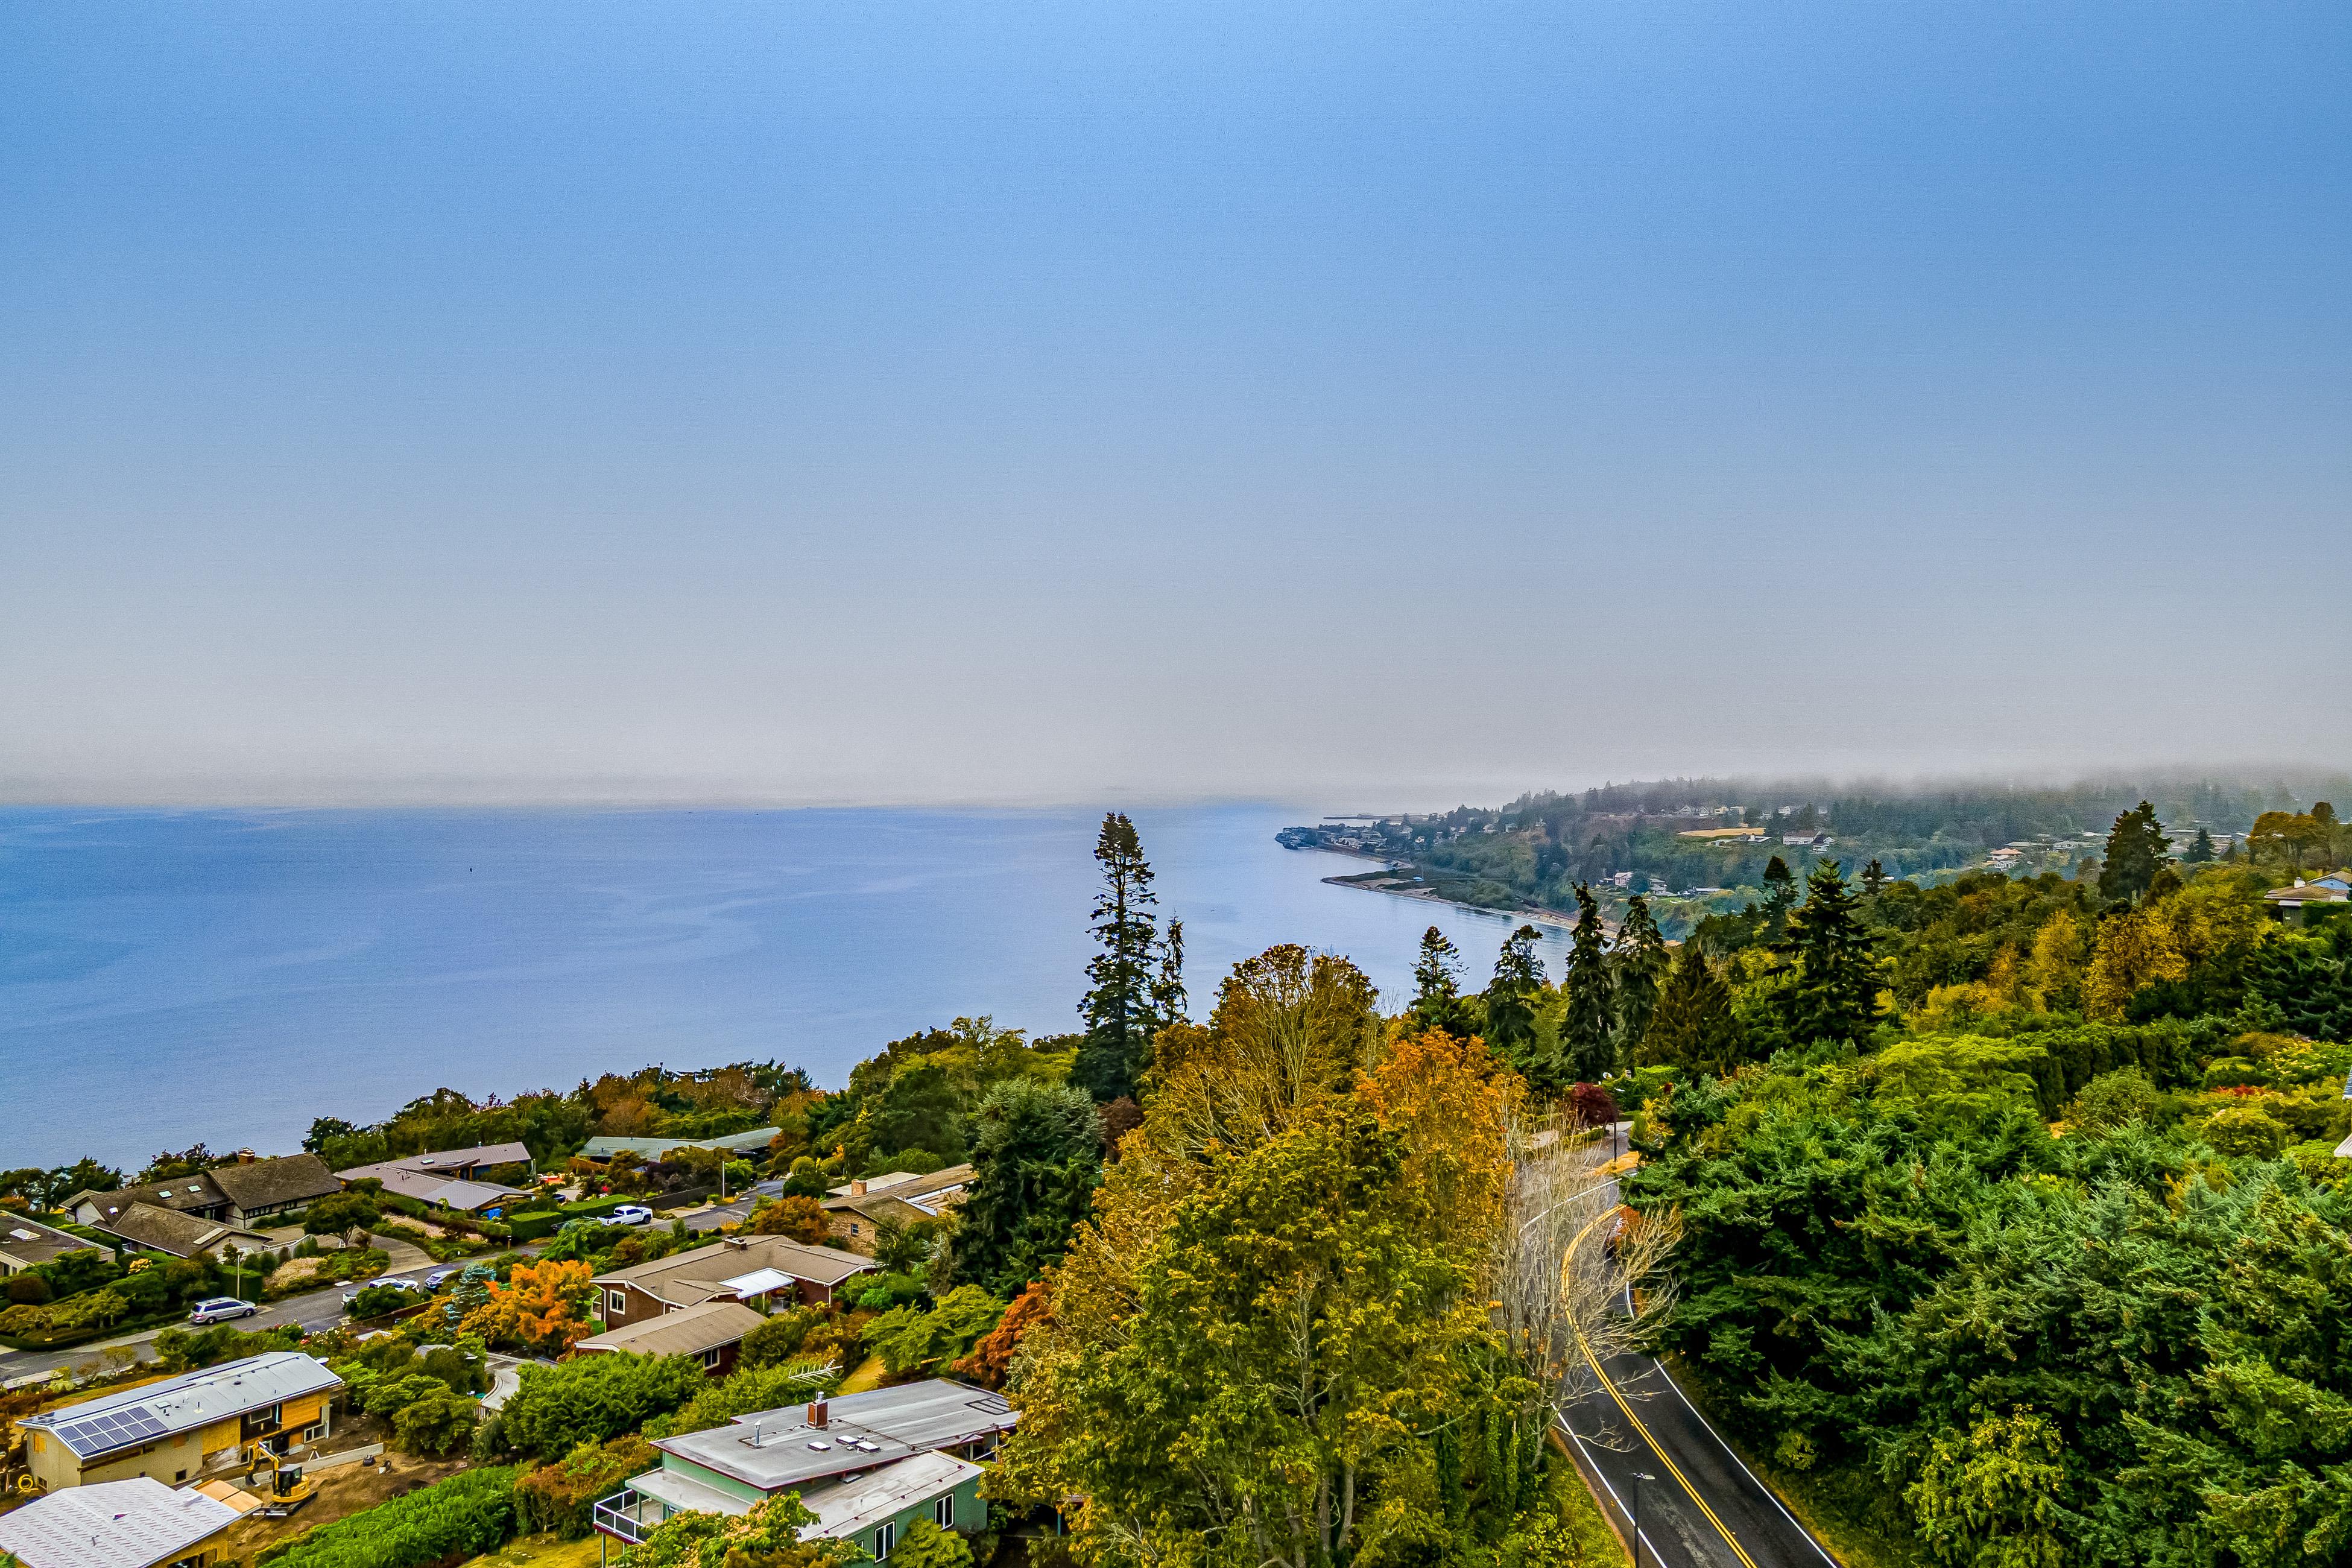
column 943, row 1512
column 710, row 1360
column 615, row 1304
column 181, row 1476
column 882, row 1534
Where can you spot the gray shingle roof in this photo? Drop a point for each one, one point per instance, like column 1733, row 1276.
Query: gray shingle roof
column 183, row 1402
column 181, row 1234
column 112, row 1524
column 689, row 1279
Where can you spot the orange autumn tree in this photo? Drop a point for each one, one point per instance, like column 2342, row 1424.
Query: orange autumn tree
column 543, row 1308
column 1452, row 1101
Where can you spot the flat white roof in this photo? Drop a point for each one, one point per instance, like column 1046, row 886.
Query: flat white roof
column 844, row 1506
column 759, row 1282
column 112, row 1524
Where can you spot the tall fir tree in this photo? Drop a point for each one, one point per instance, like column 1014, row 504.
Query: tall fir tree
column 1836, row 993
column 1588, row 1036
column 1510, row 1001
column 1437, row 986
column 1637, row 967
column 2136, row 845
column 1780, row 897
column 1692, row 1024
column 2202, row 850
column 1873, row 878
column 1132, row 971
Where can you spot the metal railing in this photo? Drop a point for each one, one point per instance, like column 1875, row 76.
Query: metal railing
column 622, row 1515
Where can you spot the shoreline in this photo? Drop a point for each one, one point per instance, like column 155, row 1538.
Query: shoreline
column 1566, row 925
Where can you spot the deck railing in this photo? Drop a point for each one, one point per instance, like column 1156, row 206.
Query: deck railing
column 622, row 1516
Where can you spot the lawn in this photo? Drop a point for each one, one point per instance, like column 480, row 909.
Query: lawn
column 542, row 1551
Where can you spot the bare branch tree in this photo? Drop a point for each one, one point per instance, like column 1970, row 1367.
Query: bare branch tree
column 1582, row 1279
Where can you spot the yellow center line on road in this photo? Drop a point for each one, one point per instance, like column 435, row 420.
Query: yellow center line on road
column 1655, row 1447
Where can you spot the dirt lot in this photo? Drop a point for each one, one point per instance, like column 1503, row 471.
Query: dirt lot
column 342, row 1493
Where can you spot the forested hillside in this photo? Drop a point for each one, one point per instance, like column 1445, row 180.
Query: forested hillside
column 1696, row 847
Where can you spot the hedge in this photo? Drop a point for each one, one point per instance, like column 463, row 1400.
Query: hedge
column 531, row 1225
column 468, row 1514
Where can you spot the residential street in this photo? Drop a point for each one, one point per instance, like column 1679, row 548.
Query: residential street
column 1699, row 1505
column 315, row 1309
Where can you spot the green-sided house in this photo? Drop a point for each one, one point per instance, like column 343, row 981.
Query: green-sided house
column 867, row 1465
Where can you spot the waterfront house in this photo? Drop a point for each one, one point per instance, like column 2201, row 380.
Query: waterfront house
column 650, row 1147
column 135, row 1523
column 175, row 1233
column 759, row 1271
column 867, row 1465
column 237, row 1194
column 712, row 1333
column 25, row 1241
column 857, row 1212
column 184, row 1426
column 447, row 1178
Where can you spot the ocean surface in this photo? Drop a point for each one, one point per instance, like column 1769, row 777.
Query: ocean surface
column 167, row 977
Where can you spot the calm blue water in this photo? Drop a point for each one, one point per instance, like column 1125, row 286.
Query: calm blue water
column 172, row 976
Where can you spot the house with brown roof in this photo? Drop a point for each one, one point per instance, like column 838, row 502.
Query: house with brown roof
column 712, row 1333
column 759, row 1271
column 144, row 1227
column 25, row 1241
column 857, row 1212
column 237, row 1194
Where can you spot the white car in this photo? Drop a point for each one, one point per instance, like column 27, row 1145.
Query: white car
column 221, row 1308
column 353, row 1294
column 630, row 1213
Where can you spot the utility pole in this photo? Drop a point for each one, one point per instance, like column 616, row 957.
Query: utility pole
column 1639, row 1477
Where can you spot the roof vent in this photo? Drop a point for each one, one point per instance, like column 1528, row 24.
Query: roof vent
column 819, row 1445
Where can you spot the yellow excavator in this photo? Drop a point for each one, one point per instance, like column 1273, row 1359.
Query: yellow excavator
column 288, row 1490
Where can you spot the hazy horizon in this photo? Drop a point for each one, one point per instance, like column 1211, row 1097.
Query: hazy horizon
column 987, row 405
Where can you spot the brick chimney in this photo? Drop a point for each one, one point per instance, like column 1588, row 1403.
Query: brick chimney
column 817, row 1416
column 857, row 1189
column 245, row 1156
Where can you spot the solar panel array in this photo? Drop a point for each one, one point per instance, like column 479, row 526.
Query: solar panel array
column 115, row 1429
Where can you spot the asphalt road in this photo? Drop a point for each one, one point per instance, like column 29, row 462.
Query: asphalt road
column 314, row 1310
column 710, row 1219
column 1699, row 1506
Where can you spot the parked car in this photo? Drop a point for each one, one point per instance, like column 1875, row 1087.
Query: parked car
column 438, row 1278
column 353, row 1294
column 221, row 1308
column 630, row 1213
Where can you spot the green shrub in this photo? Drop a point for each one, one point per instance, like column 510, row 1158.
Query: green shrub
column 468, row 1514
column 590, row 1399
column 380, row 1300
column 562, row 1497
column 910, row 1340
column 28, row 1290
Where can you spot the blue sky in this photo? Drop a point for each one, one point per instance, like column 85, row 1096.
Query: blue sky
column 981, row 403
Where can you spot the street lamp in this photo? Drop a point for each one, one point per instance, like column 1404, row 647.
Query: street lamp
column 1639, row 1477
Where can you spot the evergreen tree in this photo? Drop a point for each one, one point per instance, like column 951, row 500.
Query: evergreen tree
column 1511, row 1000
column 1873, row 878
column 1637, row 968
column 1587, row 1037
column 1037, row 1156
column 2201, row 851
column 1836, row 992
column 1692, row 1024
column 1167, row 986
column 2136, row 847
column 1437, row 986
column 1129, row 973
column 1780, row 897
